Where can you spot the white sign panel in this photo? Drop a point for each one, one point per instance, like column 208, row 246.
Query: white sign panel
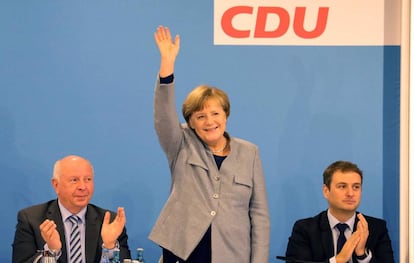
column 306, row 22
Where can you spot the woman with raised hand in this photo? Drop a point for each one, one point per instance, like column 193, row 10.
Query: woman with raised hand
column 217, row 210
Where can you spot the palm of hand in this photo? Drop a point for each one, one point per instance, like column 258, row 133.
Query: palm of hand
column 111, row 231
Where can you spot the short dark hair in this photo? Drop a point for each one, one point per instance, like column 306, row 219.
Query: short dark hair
column 343, row 166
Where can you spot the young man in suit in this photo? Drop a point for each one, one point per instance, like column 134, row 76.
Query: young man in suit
column 48, row 226
column 319, row 239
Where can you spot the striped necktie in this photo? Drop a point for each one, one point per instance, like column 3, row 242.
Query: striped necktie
column 75, row 255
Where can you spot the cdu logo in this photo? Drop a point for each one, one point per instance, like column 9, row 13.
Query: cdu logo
column 306, row 22
column 272, row 22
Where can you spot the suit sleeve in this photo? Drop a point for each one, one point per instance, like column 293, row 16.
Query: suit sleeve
column 305, row 243
column 166, row 121
column 379, row 243
column 298, row 246
column 123, row 245
column 259, row 213
column 124, row 252
column 27, row 240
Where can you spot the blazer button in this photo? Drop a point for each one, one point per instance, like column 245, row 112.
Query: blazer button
column 215, row 196
column 217, row 178
column 213, row 213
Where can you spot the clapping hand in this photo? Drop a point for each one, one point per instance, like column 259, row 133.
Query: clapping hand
column 50, row 235
column 111, row 231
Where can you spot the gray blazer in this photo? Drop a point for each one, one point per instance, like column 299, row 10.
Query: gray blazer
column 233, row 200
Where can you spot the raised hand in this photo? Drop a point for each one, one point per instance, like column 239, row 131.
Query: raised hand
column 50, row 235
column 362, row 227
column 111, row 231
column 168, row 50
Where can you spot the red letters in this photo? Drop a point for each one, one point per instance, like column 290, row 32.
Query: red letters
column 320, row 24
column 227, row 21
column 262, row 20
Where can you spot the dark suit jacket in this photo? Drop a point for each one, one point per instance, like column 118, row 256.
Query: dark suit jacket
column 312, row 240
column 27, row 238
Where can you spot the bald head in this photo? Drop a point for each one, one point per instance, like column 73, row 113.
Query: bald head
column 73, row 182
column 69, row 163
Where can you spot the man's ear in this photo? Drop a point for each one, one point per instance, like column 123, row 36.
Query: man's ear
column 55, row 183
column 325, row 190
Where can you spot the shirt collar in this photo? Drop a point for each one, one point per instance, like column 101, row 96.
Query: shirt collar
column 65, row 212
column 333, row 221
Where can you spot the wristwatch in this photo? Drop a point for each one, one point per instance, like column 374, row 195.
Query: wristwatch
column 55, row 252
column 363, row 256
column 116, row 246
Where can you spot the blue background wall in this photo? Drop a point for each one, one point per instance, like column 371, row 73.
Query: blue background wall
column 77, row 77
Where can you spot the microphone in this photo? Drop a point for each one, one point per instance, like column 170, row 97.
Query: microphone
column 294, row 260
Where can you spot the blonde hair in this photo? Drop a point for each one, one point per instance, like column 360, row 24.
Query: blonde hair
column 198, row 97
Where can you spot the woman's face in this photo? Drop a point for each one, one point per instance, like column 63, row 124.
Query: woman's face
column 210, row 122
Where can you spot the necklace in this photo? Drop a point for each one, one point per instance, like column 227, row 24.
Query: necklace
column 221, row 150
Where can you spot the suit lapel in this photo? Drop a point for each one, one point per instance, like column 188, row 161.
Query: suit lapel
column 355, row 228
column 53, row 213
column 197, row 161
column 92, row 233
column 326, row 235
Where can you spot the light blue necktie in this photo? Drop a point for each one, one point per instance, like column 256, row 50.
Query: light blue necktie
column 75, row 254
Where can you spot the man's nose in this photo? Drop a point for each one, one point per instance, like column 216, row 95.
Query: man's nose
column 81, row 184
column 349, row 191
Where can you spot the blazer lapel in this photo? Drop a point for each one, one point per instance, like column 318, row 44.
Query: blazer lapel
column 355, row 228
column 197, row 161
column 53, row 213
column 92, row 233
column 326, row 235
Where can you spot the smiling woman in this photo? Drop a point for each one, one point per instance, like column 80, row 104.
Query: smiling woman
column 206, row 110
column 76, row 77
column 210, row 172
